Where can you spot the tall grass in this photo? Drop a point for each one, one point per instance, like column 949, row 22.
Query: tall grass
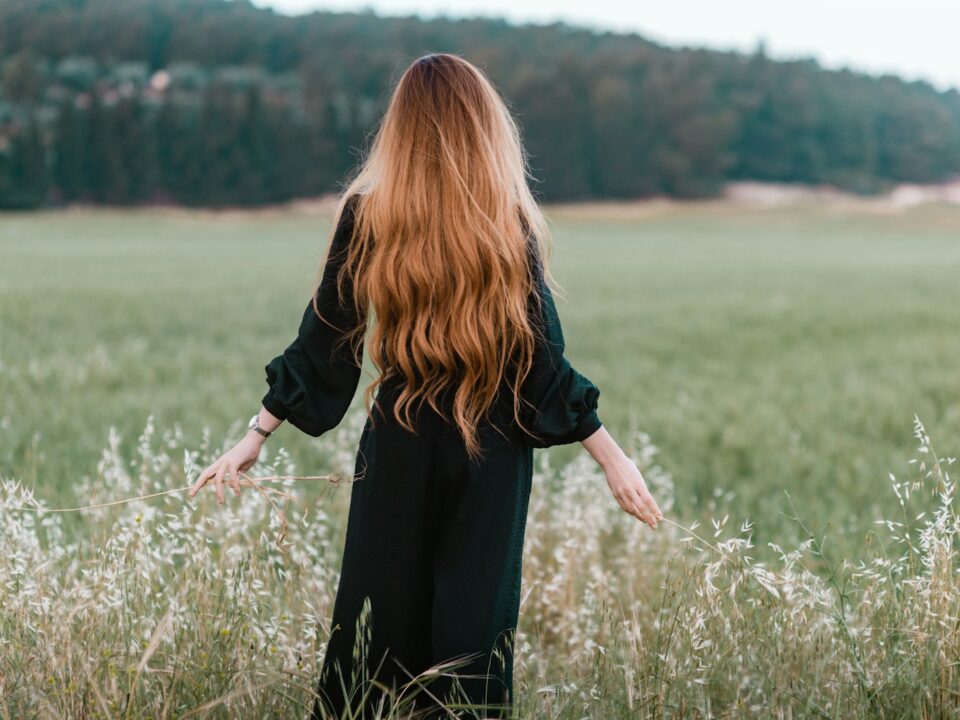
column 176, row 608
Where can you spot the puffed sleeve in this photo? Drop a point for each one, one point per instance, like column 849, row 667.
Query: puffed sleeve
column 564, row 401
column 313, row 381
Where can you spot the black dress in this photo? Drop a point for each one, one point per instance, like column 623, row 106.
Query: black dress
column 434, row 540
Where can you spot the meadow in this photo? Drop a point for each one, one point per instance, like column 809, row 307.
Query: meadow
column 764, row 366
column 763, row 351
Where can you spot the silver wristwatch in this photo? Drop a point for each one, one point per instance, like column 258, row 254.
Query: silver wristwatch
column 254, row 425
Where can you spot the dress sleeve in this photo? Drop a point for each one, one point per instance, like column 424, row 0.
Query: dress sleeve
column 313, row 381
column 564, row 401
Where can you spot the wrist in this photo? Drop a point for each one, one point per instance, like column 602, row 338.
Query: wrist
column 255, row 437
column 609, row 456
column 604, row 449
column 258, row 430
column 609, row 461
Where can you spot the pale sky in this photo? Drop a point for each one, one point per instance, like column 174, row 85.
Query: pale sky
column 916, row 39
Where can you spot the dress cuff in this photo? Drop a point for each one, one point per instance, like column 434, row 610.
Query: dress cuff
column 587, row 427
column 274, row 406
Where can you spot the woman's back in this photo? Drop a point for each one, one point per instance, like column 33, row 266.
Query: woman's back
column 313, row 382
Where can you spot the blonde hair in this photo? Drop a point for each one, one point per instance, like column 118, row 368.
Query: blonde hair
column 444, row 229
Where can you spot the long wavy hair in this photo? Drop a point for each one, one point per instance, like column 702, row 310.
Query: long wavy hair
column 444, row 229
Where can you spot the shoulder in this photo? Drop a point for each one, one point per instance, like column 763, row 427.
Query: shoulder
column 534, row 258
column 344, row 224
column 347, row 210
column 350, row 205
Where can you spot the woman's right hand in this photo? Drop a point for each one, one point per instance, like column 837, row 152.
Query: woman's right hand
column 630, row 491
column 237, row 459
column 624, row 478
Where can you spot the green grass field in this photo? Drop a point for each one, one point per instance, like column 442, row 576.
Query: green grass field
column 763, row 351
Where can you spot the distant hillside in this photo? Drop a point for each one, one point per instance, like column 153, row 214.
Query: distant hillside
column 213, row 102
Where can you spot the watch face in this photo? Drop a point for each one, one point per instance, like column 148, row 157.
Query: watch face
column 253, row 422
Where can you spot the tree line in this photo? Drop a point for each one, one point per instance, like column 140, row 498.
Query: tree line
column 216, row 102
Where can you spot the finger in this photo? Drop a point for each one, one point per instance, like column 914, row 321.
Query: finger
column 235, row 480
column 218, row 482
column 628, row 504
column 623, row 500
column 646, row 514
column 650, row 503
column 638, row 513
column 657, row 512
column 654, row 508
column 201, row 481
column 644, row 517
column 651, row 509
column 651, row 516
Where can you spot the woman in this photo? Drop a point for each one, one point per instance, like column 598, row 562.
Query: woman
column 439, row 238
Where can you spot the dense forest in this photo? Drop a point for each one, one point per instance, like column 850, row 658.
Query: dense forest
column 217, row 102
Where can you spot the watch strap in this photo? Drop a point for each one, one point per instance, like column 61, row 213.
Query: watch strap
column 255, row 426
